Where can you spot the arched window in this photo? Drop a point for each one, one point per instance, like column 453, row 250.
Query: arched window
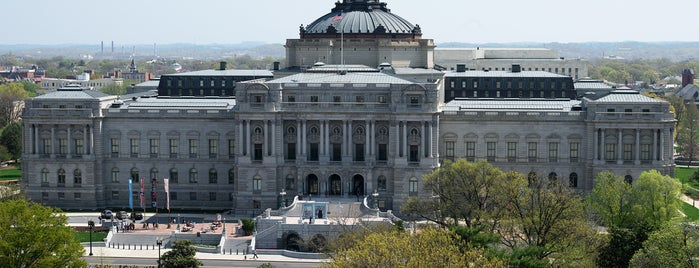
column 115, row 174
column 381, row 183
column 134, row 175
column 193, row 175
column 553, row 176
column 413, row 186
column 573, row 180
column 44, row 176
column 213, row 176
column 628, row 179
column 174, row 176
column 153, row 174
column 62, row 176
column 531, row 177
column 231, row 176
column 77, row 177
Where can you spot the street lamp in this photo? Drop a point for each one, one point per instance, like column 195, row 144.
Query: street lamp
column 178, row 221
column 91, row 224
column 159, row 242
column 283, row 195
column 375, row 195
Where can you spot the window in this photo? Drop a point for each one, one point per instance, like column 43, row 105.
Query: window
column 553, row 152
column 77, row 178
column 359, row 99
column 45, row 177
column 553, row 176
column 291, row 98
column 174, row 175
column 115, row 175
column 449, row 146
column 231, row 148
column 47, row 146
column 574, row 152
column 381, row 183
column 44, row 196
column 628, row 179
column 382, row 99
column 314, row 152
column 192, row 195
column 153, row 148
column 61, row 177
column 573, row 180
column 79, row 146
column 153, row 174
column 359, row 152
column 212, row 196
column 193, row 148
column 314, row 98
column 291, row 151
column 62, row 147
column 174, row 147
column 490, row 150
column 337, row 99
column 475, row 83
column 77, row 196
column 193, row 175
column 414, row 101
column 134, row 175
column 173, row 195
column 61, row 196
column 213, row 176
column 231, row 176
column 257, row 184
column 383, row 152
column 610, row 151
column 532, row 152
column 134, row 147
column 512, row 152
column 213, row 148
column 257, row 99
column 645, row 152
column 628, row 152
column 414, row 153
column 470, row 151
column 257, row 153
column 413, row 186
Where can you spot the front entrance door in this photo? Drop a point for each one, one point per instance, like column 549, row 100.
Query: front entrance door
column 358, row 185
column 312, row 182
column 335, row 185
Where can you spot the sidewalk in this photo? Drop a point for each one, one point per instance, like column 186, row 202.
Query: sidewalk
column 153, row 253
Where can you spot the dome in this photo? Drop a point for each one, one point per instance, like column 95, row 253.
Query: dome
column 361, row 17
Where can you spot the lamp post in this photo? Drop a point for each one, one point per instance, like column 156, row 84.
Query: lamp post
column 178, row 221
column 375, row 195
column 159, row 242
column 283, row 200
column 91, row 224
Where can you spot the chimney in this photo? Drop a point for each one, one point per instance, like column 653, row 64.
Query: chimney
column 516, row 68
column 687, row 77
column 223, row 66
column 460, row 68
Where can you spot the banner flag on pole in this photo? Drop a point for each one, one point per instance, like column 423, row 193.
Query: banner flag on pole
column 130, row 194
column 166, row 184
column 141, row 195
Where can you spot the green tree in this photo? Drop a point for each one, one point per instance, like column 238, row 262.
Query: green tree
column 114, row 89
column 11, row 138
column 11, row 96
column 672, row 246
column 611, row 200
column 181, row 256
column 688, row 131
column 248, row 225
column 31, row 88
column 428, row 248
column 33, row 235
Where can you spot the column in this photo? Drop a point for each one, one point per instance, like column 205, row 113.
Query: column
column 35, row 141
column 241, row 131
column 85, row 151
column 430, row 140
column 323, row 137
column 247, row 136
column 662, row 145
column 69, row 150
column 405, row 139
column 372, row 138
column 637, row 156
column 349, row 139
column 304, row 138
column 603, row 155
column 265, row 143
column 298, row 139
column 401, row 138
column 655, row 145
column 367, row 146
column 53, row 141
column 273, row 135
column 596, row 144
column 92, row 140
column 620, row 149
column 344, row 138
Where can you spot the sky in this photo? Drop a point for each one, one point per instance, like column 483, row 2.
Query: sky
column 55, row 22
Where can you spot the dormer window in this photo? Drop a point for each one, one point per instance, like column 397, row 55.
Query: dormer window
column 414, row 100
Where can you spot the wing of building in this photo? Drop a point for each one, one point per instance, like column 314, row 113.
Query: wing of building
column 233, row 139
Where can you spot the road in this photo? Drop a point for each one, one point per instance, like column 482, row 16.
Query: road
column 207, row 263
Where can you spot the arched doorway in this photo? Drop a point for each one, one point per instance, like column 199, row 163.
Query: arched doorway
column 335, row 185
column 312, row 184
column 292, row 241
column 358, row 185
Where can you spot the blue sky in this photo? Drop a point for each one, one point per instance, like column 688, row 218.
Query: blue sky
column 273, row 21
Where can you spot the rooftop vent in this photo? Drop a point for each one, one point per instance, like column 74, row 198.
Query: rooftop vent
column 460, row 68
column 223, row 66
column 516, row 68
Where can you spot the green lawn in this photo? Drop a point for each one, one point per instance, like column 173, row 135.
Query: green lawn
column 12, row 173
column 85, row 237
column 691, row 212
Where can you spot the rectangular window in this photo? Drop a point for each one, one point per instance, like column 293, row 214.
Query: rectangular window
column 115, row 175
column 134, row 147
column 337, row 99
column 414, row 100
column 313, row 152
column 314, row 98
column 257, row 184
column 359, row 152
column 173, row 196
column 79, row 146
column 257, row 153
column 337, row 152
column 77, row 196
column 192, row 195
column 512, row 152
column 291, row 151
column 212, row 196
column 47, row 146
column 413, row 187
column 213, row 148
column 383, row 152
column 62, row 146
column 414, row 153
column 471, row 151
column 645, row 152
column 360, row 99
column 231, row 148
column 382, row 99
column 490, row 150
column 610, row 151
column 174, row 176
column 449, row 150
column 553, row 152
column 628, row 152
column 213, row 177
column 61, row 196
column 532, row 152
column 193, row 148
column 291, row 98
column 574, row 152
column 153, row 148
column 174, row 147
column 115, row 195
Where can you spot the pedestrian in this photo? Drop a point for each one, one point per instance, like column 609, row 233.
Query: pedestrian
column 254, row 254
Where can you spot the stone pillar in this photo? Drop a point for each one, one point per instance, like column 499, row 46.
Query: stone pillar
column 273, row 135
column 596, row 144
column 35, row 141
column 69, row 150
column 637, row 156
column 53, row 141
column 429, row 140
column 85, row 144
column 248, row 141
column 344, row 138
column 604, row 146
column 655, row 145
column 620, row 148
column 350, row 143
column 662, row 144
column 304, row 138
column 241, row 135
column 298, row 139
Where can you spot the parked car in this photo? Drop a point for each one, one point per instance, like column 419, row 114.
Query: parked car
column 136, row 216
column 122, row 215
column 106, row 214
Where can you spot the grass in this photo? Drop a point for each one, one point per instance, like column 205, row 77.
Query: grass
column 85, row 237
column 10, row 173
column 691, row 212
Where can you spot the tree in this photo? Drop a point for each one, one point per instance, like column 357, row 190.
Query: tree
column 33, row 235
column 248, row 225
column 428, row 248
column 181, row 256
column 11, row 96
column 114, row 89
column 11, row 138
column 672, row 246
column 688, row 131
column 610, row 201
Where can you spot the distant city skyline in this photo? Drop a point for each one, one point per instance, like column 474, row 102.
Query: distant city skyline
column 127, row 22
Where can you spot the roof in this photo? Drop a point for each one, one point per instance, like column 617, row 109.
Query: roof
column 689, row 92
column 537, row 74
column 592, row 84
column 352, row 78
column 167, row 103
column 563, row 105
column 627, row 96
column 361, row 17
column 338, row 68
column 78, row 94
column 260, row 73
column 417, row 71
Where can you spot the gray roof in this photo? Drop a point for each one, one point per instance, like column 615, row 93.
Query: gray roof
column 689, row 92
column 562, row 105
column 75, row 95
column 338, row 68
column 627, row 96
column 592, row 84
column 351, row 78
column 361, row 18
column 261, row 73
column 504, row 74
column 167, row 103
column 416, row 71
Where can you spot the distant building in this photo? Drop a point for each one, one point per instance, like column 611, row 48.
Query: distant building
column 687, row 77
column 16, row 74
column 53, row 84
column 134, row 74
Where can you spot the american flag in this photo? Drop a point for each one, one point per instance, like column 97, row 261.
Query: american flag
column 337, row 17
